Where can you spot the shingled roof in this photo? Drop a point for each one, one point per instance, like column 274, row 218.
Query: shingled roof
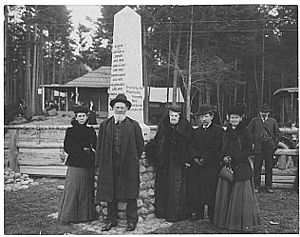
column 99, row 78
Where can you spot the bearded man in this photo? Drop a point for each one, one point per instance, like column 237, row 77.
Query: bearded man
column 119, row 148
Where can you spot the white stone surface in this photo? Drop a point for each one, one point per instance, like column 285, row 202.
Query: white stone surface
column 142, row 169
column 126, row 70
column 139, row 203
column 60, row 187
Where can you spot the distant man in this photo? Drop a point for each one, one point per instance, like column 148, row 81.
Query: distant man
column 204, row 170
column 119, row 148
column 266, row 135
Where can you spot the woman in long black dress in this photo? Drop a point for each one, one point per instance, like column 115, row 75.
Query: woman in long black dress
column 77, row 204
column 169, row 152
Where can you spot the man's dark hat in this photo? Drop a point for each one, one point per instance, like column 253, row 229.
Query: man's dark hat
column 175, row 109
column 205, row 109
column 80, row 109
column 120, row 98
column 265, row 108
column 236, row 109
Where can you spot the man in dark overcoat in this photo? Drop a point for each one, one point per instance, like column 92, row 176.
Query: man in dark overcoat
column 119, row 148
column 204, row 170
column 266, row 134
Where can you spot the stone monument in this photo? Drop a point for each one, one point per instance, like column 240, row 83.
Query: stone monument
column 126, row 68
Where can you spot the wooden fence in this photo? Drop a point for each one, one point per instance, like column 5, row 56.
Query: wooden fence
column 15, row 145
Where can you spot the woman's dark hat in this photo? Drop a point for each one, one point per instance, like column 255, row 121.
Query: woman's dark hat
column 264, row 108
column 236, row 109
column 80, row 109
column 120, row 98
column 205, row 109
column 175, row 108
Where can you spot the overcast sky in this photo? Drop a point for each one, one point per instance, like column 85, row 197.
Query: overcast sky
column 80, row 12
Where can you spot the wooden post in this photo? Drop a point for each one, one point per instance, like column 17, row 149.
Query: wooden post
column 43, row 98
column 13, row 161
column 67, row 101
column 99, row 101
column 76, row 95
column 292, row 108
column 38, row 136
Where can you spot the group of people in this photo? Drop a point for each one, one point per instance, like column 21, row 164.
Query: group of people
column 187, row 164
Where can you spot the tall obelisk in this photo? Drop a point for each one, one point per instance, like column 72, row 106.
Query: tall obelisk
column 126, row 68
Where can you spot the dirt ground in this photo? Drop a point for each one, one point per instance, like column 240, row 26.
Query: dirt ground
column 26, row 212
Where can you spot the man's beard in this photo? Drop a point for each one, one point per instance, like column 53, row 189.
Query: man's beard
column 174, row 121
column 119, row 117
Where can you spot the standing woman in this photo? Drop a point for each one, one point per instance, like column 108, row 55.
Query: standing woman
column 170, row 154
column 242, row 210
column 78, row 199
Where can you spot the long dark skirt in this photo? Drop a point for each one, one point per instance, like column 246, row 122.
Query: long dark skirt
column 170, row 192
column 77, row 204
column 243, row 212
column 222, row 202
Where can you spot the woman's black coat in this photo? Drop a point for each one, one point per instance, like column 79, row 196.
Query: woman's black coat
column 78, row 137
column 237, row 143
column 169, row 151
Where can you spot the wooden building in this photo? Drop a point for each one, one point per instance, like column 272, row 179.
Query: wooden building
column 94, row 86
column 91, row 86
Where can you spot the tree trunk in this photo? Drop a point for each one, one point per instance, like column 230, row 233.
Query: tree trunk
column 189, row 84
column 33, row 88
column 222, row 109
column 28, row 71
column 207, row 93
column 41, row 61
column 199, row 97
column 255, row 79
column 176, row 58
column 38, row 105
column 270, row 81
column 263, row 68
column 235, row 84
column 21, row 84
column 53, row 72
column 53, row 66
column 219, row 104
column 6, row 77
column 169, row 63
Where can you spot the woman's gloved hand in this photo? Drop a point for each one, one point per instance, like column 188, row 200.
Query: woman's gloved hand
column 87, row 150
column 227, row 159
column 198, row 161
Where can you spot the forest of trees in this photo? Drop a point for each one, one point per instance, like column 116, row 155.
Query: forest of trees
column 228, row 54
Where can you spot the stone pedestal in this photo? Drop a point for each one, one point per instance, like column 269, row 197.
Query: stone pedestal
column 146, row 198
